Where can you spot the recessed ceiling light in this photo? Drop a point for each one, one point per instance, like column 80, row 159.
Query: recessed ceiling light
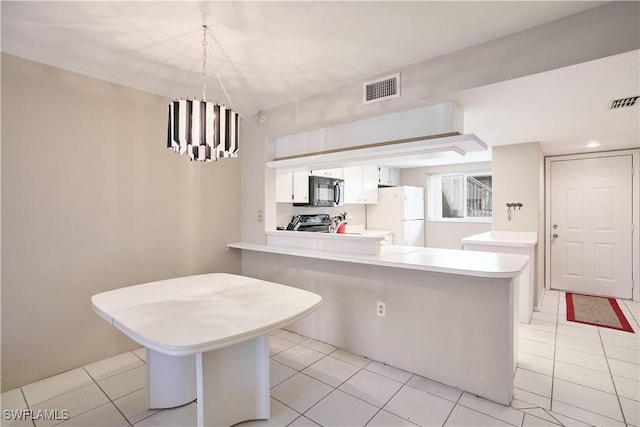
column 593, row 144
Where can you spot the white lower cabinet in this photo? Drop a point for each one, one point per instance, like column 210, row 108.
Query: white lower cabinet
column 292, row 187
column 361, row 184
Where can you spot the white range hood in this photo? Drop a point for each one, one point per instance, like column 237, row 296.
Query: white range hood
column 406, row 139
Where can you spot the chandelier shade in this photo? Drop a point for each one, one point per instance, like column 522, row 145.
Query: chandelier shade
column 203, row 130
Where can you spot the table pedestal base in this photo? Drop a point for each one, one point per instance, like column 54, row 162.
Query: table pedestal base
column 171, row 380
column 233, row 383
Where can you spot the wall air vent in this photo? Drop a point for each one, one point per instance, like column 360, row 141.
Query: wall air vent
column 381, row 89
column 614, row 104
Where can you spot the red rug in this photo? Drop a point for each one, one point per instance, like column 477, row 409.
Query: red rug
column 597, row 311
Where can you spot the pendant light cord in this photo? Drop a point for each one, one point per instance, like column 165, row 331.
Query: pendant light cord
column 224, row 89
column 205, row 45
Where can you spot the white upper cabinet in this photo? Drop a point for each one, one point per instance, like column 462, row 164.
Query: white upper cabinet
column 361, row 184
column 389, row 177
column 329, row 173
column 292, row 187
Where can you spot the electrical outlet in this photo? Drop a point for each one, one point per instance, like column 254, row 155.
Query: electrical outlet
column 381, row 309
column 260, row 215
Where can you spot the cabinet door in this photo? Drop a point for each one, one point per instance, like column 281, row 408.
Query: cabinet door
column 369, row 184
column 394, row 177
column 353, row 185
column 301, row 187
column 383, row 175
column 329, row 173
column 388, row 176
column 284, row 187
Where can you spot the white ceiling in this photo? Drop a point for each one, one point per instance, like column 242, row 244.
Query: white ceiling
column 271, row 53
column 570, row 102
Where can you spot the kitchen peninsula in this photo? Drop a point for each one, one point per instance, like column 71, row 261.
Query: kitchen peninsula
column 449, row 315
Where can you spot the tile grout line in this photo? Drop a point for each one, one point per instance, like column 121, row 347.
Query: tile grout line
column 299, row 371
column 284, row 404
column 555, row 347
column 108, row 397
column 389, row 399
column 360, row 369
column 380, row 408
column 296, row 372
column 453, row 408
column 141, row 359
column 582, row 385
column 624, row 419
column 489, row 415
column 24, row 397
column 334, row 388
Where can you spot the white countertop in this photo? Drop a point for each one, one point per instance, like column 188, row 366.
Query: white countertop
column 361, row 230
column 504, row 238
column 450, row 261
column 356, row 236
column 195, row 314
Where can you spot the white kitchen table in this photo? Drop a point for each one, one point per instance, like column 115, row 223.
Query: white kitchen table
column 207, row 339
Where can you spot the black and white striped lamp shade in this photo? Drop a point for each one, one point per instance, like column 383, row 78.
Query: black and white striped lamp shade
column 203, row 130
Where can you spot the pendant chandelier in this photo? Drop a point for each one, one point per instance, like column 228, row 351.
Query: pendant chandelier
column 201, row 129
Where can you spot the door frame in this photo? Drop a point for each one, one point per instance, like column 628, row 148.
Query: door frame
column 635, row 203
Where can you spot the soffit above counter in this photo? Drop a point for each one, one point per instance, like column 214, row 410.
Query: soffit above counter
column 425, row 136
column 412, row 152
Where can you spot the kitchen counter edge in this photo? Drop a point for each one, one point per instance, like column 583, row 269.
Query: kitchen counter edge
column 448, row 261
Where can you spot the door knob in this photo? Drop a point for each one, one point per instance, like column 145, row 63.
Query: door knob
column 555, row 236
column 555, row 226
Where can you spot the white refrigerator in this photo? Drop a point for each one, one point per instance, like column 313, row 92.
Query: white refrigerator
column 400, row 210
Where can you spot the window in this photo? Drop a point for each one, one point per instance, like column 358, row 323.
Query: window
column 460, row 197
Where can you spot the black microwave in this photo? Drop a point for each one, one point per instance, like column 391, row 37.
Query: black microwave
column 325, row 192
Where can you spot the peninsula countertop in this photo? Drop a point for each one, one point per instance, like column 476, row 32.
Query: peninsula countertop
column 504, row 238
column 449, row 261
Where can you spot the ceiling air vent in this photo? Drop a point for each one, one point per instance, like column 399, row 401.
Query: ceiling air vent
column 381, row 89
column 623, row 102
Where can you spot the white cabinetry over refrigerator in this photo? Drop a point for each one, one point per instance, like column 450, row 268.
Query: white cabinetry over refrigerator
column 401, row 210
column 388, row 176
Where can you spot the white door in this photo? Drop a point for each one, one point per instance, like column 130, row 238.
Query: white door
column 591, row 226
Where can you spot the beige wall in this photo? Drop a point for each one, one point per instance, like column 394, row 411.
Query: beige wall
column 518, row 176
column 91, row 201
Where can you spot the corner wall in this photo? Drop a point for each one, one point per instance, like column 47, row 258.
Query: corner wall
column 92, row 201
column 518, row 176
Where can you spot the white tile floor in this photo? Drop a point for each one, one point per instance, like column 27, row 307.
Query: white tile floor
column 568, row 374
